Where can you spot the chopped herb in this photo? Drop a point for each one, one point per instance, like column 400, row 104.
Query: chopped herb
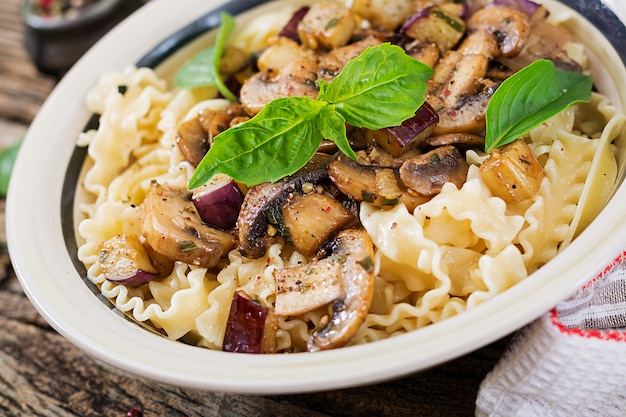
column 331, row 23
column 368, row 196
column 450, row 21
column 367, row 263
column 187, row 246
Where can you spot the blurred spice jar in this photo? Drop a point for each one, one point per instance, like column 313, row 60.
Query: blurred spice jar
column 59, row 32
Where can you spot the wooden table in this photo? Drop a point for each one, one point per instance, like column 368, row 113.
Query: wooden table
column 41, row 373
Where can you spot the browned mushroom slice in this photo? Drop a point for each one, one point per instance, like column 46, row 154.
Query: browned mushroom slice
column 509, row 27
column 354, row 250
column 265, row 199
column 297, row 78
column 310, row 219
column 195, row 136
column 343, row 276
column 307, row 287
column 468, row 117
column 173, row 228
column 360, row 182
column 193, row 141
column 426, row 174
column 331, row 63
column 512, row 172
column 462, row 140
column 546, row 40
column 251, row 327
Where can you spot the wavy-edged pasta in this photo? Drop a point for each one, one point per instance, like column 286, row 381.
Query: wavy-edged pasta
column 457, row 250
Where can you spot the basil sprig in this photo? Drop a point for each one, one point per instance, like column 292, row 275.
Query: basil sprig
column 204, row 68
column 530, row 97
column 7, row 160
column 380, row 88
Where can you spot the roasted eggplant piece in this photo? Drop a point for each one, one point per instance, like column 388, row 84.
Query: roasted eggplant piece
column 309, row 220
column 411, row 133
column 327, row 25
column 218, row 202
column 124, row 260
column 251, row 327
column 512, row 172
column 435, row 25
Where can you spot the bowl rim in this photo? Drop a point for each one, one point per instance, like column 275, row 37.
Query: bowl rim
column 48, row 276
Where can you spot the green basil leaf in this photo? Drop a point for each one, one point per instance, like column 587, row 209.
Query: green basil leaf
column 204, row 69
column 333, row 127
column 7, row 160
column 382, row 87
column 275, row 143
column 530, row 97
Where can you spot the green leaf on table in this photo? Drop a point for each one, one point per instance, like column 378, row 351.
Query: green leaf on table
column 204, row 68
column 7, row 160
column 530, row 97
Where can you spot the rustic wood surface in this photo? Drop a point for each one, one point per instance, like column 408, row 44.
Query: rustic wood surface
column 42, row 374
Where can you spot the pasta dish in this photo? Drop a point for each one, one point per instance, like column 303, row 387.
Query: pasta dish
column 422, row 223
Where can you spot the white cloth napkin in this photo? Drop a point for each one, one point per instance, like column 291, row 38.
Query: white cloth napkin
column 570, row 362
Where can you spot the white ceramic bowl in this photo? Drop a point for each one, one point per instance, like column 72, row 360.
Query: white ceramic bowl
column 40, row 233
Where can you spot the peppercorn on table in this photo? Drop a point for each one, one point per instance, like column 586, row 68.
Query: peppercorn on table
column 41, row 373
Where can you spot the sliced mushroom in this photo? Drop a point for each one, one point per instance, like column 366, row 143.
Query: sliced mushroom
column 456, row 77
column 546, row 41
column 173, row 228
column 331, row 63
column 263, row 202
column 193, row 141
column 462, row 140
column 195, row 136
column 510, row 28
column 426, row 174
column 343, row 276
column 297, row 78
column 468, row 116
column 360, row 182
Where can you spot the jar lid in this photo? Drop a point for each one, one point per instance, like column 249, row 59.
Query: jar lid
column 52, row 15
